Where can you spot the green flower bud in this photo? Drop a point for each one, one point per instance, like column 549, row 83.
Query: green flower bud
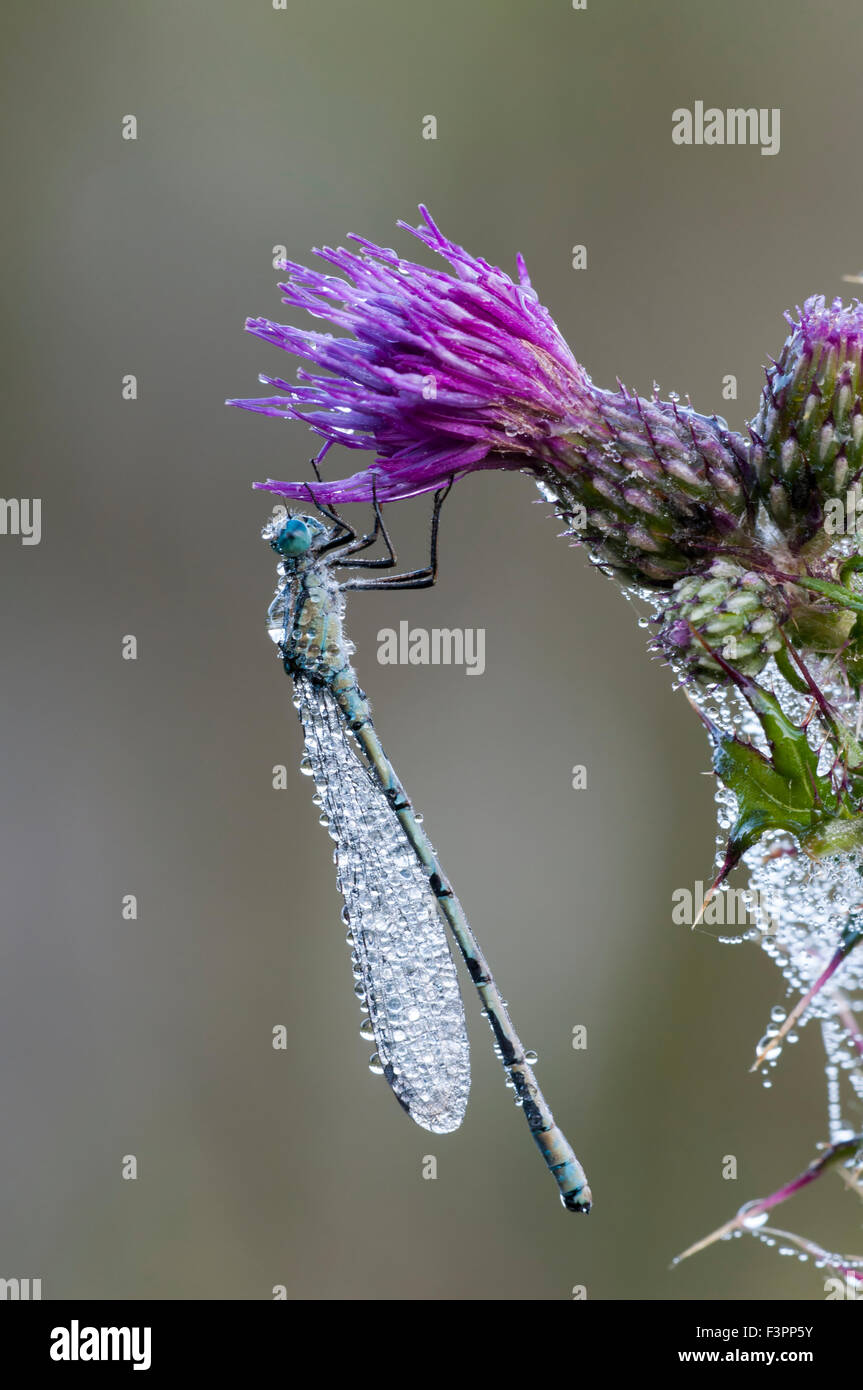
column 732, row 611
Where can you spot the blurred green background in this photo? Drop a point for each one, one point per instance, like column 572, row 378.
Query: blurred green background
column 256, row 128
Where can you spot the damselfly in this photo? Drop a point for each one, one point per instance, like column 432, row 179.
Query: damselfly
column 397, row 897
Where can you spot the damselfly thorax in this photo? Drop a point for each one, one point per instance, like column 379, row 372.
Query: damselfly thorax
column 306, row 616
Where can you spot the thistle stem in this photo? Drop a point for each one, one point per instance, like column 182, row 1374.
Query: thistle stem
column 851, row 937
column 831, row 1154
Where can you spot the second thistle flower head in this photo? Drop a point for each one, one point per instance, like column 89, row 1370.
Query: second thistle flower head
column 452, row 371
column 808, row 434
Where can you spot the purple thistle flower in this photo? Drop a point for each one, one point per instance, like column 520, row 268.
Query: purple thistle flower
column 443, row 371
column 450, row 373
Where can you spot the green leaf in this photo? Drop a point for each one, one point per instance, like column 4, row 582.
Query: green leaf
column 792, row 757
column 841, row 596
column 779, row 792
column 766, row 800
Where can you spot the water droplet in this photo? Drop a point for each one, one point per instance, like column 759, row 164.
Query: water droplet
column 758, row 1218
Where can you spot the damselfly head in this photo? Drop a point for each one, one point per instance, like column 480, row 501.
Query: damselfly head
column 291, row 536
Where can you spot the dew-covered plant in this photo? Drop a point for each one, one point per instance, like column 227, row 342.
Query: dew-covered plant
column 741, row 550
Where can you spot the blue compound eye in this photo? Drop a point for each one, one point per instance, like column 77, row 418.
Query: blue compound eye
column 292, row 538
